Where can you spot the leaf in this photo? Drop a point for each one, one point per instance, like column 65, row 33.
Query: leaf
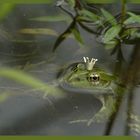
column 42, row 31
column 77, row 35
column 111, row 45
column 111, row 33
column 21, row 77
column 131, row 14
column 64, row 35
column 132, row 33
column 129, row 32
column 5, row 9
column 88, row 29
column 55, row 18
column 71, row 3
column 60, row 3
column 132, row 19
column 28, row 80
column 87, row 15
column 109, row 17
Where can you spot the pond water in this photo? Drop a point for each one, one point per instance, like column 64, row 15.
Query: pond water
column 29, row 112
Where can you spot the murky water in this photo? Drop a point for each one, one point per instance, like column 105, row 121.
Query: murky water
column 27, row 111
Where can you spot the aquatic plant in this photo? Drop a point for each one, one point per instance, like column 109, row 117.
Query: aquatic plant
column 113, row 30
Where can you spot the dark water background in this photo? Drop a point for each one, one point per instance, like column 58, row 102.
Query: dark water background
column 28, row 112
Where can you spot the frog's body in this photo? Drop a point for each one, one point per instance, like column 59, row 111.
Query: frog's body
column 77, row 78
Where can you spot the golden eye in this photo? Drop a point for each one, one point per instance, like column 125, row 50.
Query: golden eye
column 94, row 78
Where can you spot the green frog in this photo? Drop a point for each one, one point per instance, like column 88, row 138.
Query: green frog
column 85, row 77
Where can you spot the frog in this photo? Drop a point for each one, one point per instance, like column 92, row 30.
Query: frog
column 88, row 78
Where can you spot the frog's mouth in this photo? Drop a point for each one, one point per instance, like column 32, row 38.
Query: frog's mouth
column 96, row 90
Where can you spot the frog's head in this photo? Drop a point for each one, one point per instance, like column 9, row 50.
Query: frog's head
column 86, row 75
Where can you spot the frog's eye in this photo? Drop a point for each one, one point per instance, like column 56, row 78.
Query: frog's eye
column 94, row 78
column 74, row 68
column 79, row 66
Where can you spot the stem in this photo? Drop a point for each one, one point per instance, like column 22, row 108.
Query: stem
column 132, row 80
column 88, row 29
column 130, row 103
column 113, row 117
column 119, row 98
column 123, row 10
column 78, row 4
column 68, row 12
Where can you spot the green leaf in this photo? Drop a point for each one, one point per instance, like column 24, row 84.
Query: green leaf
column 129, row 32
column 111, row 33
column 42, row 31
column 5, row 9
column 55, row 18
column 20, row 76
column 87, row 15
column 77, row 35
column 132, row 33
column 87, row 28
column 109, row 17
column 132, row 19
column 111, row 45
column 71, row 3
column 64, row 35
column 28, row 80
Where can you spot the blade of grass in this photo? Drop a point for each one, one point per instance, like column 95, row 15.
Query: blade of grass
column 42, row 31
column 5, row 9
column 28, row 80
